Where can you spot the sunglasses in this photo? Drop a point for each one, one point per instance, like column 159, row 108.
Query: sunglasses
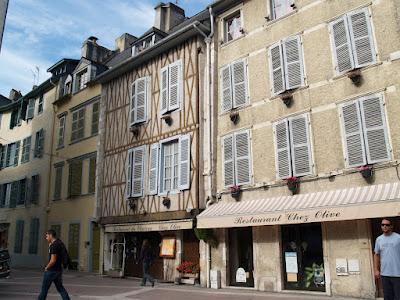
column 387, row 225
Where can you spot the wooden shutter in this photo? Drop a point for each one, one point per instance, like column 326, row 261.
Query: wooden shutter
column 34, row 236
column 164, row 90
column 14, row 194
column 58, row 182
column 39, row 143
column 184, row 162
column 81, row 124
column 175, row 85
column 132, row 109
column 282, row 149
column 92, row 72
column 19, row 236
column 341, row 45
column 138, row 171
column 140, row 100
column 276, row 69
column 294, row 74
column 361, row 37
column 239, row 80
column 353, row 135
column 92, row 175
column 75, row 178
column 31, row 109
column 242, row 157
column 16, row 157
column 35, row 187
column 22, row 192
column 2, row 195
column 228, row 161
column 3, row 154
column 153, row 172
column 95, row 118
column 129, row 162
column 300, row 145
column 374, row 128
column 226, row 88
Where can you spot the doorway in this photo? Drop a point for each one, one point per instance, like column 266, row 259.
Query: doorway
column 191, row 250
column 95, row 248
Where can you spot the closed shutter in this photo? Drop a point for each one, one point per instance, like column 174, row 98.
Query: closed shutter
column 92, row 175
column 300, row 143
column 239, row 79
column 19, row 236
column 138, row 171
column 14, row 194
column 184, row 162
column 164, row 90
column 31, row 109
column 95, row 118
column 228, row 161
column 140, row 100
column 34, row 236
column 226, row 88
column 39, row 143
column 35, row 187
column 75, row 178
column 282, row 148
column 375, row 131
column 242, row 157
column 129, row 161
column 341, row 45
column 92, row 72
column 361, row 37
column 81, row 124
column 353, row 135
column 3, row 154
column 294, row 74
column 22, row 192
column 58, row 183
column 153, row 172
column 16, row 157
column 175, row 85
column 2, row 195
column 132, row 119
column 276, row 69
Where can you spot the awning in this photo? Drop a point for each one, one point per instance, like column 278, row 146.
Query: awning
column 150, row 226
column 347, row 204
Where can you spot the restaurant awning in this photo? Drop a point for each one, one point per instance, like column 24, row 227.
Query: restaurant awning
column 346, row 204
column 150, row 226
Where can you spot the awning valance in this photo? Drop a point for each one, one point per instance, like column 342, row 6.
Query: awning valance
column 150, row 226
column 346, row 204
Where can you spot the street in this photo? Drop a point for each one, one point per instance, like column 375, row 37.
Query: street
column 25, row 284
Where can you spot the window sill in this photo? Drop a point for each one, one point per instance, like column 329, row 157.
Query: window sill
column 274, row 21
column 292, row 92
column 236, row 109
column 225, row 44
column 342, row 75
column 81, row 139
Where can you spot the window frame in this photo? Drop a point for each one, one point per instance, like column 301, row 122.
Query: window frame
column 61, row 131
column 273, row 12
column 237, row 14
column 40, row 104
column 78, row 129
column 26, row 149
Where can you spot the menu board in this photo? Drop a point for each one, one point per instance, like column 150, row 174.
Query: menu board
column 168, row 247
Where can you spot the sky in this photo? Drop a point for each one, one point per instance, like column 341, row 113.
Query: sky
column 38, row 33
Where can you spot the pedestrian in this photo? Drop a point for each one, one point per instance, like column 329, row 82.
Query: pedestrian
column 147, row 258
column 387, row 260
column 53, row 269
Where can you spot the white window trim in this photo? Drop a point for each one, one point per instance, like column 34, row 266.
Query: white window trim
column 161, row 167
column 147, row 101
column 181, row 89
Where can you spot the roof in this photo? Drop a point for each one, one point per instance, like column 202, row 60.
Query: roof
column 223, row 5
column 4, row 100
column 60, row 62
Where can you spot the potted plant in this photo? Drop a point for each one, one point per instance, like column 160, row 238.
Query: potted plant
column 206, row 235
column 234, row 116
column 166, row 202
column 236, row 191
column 293, row 184
column 287, row 98
column 355, row 77
column 367, row 172
column 189, row 272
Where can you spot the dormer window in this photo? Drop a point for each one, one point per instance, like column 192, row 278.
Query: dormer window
column 67, row 85
column 81, row 79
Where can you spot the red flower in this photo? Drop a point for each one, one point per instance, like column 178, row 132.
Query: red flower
column 188, row 267
column 292, row 178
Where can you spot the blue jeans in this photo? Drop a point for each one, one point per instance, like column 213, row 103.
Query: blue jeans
column 146, row 274
column 48, row 278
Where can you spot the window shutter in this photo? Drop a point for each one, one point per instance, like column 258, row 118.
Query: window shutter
column 282, row 144
column 39, row 143
column 140, row 100
column 2, row 194
column 95, row 118
column 228, row 159
column 226, row 88
column 75, row 178
column 239, row 78
column 129, row 162
column 375, row 131
column 31, row 109
column 138, row 171
column 3, row 154
column 164, row 90
column 33, row 236
column 81, row 123
column 35, row 185
column 16, row 157
column 184, row 162
column 19, row 236
column 58, row 183
column 242, row 157
column 92, row 175
column 353, row 135
column 14, row 194
column 276, row 69
column 153, row 176
column 361, row 37
column 92, row 72
column 175, row 85
column 132, row 119
column 300, row 143
column 22, row 192
column 294, row 74
column 341, row 47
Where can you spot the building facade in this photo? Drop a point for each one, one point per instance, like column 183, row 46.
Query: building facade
column 306, row 143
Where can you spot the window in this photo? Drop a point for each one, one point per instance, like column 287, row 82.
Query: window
column 6, row 193
column 39, row 144
column 34, row 236
column 286, row 65
column 135, row 172
column 140, row 91
column 232, row 27
column 21, row 192
column 14, row 120
column 81, row 80
column 352, row 41
column 58, row 182
column 14, row 194
column 19, row 236
column 40, row 106
column 12, row 155
column 61, row 131
column 31, row 109
column 234, row 92
column 78, row 125
column 67, row 85
column 293, row 147
column 92, row 175
column 171, row 87
column 236, row 154
column 34, row 192
column 75, row 178
column 365, row 133
column 95, row 118
column 281, row 8
column 26, row 149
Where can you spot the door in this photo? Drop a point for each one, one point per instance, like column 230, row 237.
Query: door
column 73, row 245
column 191, row 250
column 95, row 247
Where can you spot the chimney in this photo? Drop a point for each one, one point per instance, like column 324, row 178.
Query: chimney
column 124, row 41
column 93, row 51
column 14, row 95
column 168, row 16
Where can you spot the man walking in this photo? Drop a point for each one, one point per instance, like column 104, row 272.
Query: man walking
column 387, row 260
column 147, row 257
column 53, row 270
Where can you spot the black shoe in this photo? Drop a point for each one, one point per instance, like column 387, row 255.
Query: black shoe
column 152, row 284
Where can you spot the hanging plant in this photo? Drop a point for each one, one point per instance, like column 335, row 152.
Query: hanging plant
column 293, row 184
column 236, row 191
column 367, row 172
column 206, row 235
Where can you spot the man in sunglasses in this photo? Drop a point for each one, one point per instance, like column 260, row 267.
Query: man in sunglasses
column 387, row 260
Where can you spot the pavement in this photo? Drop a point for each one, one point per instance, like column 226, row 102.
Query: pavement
column 25, row 284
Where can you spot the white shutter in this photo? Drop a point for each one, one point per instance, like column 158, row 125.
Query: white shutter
column 341, row 45
column 300, row 145
column 228, row 161
column 282, row 148
column 140, row 100
column 129, row 160
column 184, row 162
column 353, row 135
column 164, row 90
column 226, row 88
column 242, row 157
column 294, row 73
column 138, row 171
column 153, row 172
column 361, row 37
column 132, row 114
column 239, row 82
column 276, row 69
column 375, row 131
column 175, row 85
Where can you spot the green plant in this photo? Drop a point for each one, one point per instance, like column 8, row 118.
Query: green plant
column 310, row 275
column 206, row 235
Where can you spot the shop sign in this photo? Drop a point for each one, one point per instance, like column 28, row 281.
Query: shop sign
column 341, row 267
column 240, row 275
column 354, row 266
column 146, row 227
column 291, row 262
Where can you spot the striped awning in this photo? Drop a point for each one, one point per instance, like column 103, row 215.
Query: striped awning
column 346, row 204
